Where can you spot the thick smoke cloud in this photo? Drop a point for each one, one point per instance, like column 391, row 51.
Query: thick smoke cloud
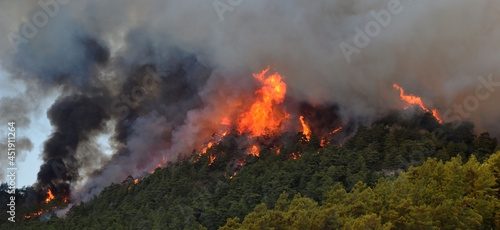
column 165, row 72
column 74, row 118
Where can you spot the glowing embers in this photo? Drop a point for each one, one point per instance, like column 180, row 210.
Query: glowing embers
column 325, row 140
column 164, row 161
column 216, row 138
column 29, row 216
column 295, row 155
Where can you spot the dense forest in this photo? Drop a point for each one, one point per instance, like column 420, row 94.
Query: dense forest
column 410, row 173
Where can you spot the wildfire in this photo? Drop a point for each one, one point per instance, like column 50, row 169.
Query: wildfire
column 414, row 100
column 323, row 142
column 212, row 159
column 216, row 137
column 336, row 130
column 50, row 196
column 296, row 155
column 209, row 145
column 264, row 116
column 28, row 216
column 305, row 129
column 136, row 180
column 435, row 113
column 254, row 151
column 225, row 121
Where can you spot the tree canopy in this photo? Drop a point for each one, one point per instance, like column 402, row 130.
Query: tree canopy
column 409, row 174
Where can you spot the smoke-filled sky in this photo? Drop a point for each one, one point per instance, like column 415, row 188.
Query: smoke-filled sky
column 194, row 59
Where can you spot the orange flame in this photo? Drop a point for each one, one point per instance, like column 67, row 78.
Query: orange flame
column 209, row 145
column 336, row 130
column 50, row 196
column 305, row 129
column 296, row 155
column 159, row 165
column 263, row 116
column 216, row 138
column 28, row 216
column 254, row 151
column 410, row 99
column 414, row 100
column 136, row 180
column 164, row 160
column 212, row 159
column 323, row 142
column 436, row 115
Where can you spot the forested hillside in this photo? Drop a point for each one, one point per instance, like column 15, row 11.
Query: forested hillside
column 395, row 174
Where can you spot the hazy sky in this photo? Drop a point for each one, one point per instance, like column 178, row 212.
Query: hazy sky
column 37, row 132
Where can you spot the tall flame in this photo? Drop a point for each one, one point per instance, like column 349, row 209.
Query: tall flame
column 264, row 117
column 305, row 129
column 414, row 100
column 50, row 196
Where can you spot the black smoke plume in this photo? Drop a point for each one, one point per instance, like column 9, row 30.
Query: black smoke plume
column 74, row 118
